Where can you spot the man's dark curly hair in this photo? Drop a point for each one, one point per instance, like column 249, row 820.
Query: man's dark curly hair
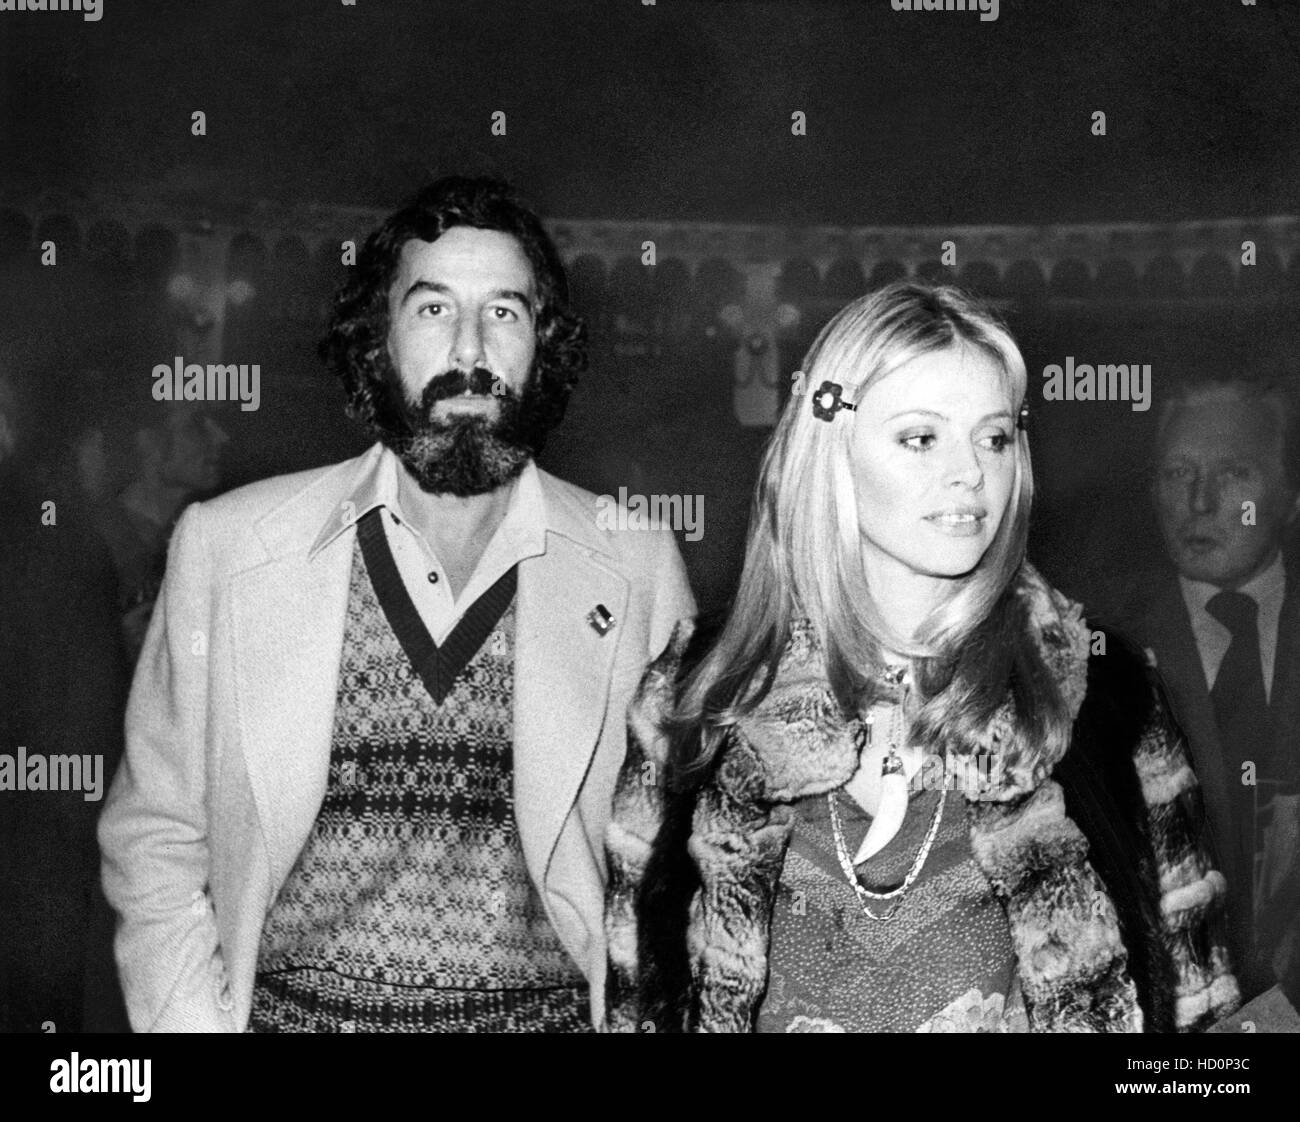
column 355, row 346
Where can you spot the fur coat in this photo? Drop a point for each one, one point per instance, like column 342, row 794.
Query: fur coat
column 693, row 874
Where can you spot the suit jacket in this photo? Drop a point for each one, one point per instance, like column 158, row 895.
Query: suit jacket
column 230, row 719
column 1155, row 614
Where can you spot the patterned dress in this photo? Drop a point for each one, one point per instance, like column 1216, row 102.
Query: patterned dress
column 944, row 963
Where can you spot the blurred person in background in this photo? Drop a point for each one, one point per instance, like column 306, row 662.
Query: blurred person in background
column 178, row 459
column 1221, row 618
column 62, row 692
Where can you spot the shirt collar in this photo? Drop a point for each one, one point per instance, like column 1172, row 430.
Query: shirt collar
column 1263, row 587
column 524, row 521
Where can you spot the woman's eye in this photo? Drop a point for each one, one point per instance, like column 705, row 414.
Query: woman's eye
column 505, row 315
column 918, row 441
column 998, row 441
column 430, row 309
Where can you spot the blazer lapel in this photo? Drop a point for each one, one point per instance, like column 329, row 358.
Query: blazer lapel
column 563, row 671
column 289, row 638
column 289, row 614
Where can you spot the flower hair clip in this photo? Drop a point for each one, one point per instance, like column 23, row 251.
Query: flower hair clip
column 826, row 402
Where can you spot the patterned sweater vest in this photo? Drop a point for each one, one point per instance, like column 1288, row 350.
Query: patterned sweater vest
column 410, row 907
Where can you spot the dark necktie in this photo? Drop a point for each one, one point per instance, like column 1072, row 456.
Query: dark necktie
column 1241, row 712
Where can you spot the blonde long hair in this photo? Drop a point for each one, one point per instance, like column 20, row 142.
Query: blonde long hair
column 803, row 554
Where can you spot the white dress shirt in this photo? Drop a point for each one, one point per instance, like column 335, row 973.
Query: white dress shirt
column 1213, row 639
column 521, row 534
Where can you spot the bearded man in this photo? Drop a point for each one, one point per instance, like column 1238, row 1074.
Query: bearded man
column 375, row 729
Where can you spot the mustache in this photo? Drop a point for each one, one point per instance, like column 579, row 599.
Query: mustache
column 453, row 383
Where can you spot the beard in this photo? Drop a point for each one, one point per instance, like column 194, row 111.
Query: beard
column 466, row 455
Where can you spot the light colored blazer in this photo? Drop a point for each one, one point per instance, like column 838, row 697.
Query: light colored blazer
column 231, row 714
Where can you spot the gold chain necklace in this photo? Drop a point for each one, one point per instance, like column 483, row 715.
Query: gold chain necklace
column 892, row 764
column 895, row 894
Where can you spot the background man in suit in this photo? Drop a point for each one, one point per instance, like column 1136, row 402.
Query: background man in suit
column 375, row 729
column 1224, row 628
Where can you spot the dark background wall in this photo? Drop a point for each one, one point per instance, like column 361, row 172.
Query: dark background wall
column 678, row 110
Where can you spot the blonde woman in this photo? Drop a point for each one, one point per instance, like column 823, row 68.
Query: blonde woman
column 905, row 787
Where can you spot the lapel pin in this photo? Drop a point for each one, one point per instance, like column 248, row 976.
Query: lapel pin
column 600, row 619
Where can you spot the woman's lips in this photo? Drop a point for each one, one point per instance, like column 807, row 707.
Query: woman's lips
column 958, row 524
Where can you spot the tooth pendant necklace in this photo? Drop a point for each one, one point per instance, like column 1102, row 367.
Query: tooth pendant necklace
column 889, row 813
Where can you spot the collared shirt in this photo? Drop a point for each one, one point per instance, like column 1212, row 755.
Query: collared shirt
column 521, row 534
column 1213, row 639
